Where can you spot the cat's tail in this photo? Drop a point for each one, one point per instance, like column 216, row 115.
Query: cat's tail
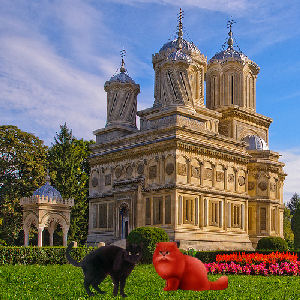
column 69, row 258
column 220, row 284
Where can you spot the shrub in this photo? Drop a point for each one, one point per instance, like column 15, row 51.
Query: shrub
column 272, row 243
column 149, row 236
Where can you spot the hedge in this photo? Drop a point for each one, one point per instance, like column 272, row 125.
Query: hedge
column 56, row 255
column 40, row 255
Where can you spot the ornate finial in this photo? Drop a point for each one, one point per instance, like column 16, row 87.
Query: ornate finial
column 180, row 32
column 122, row 54
column 180, row 17
column 230, row 40
column 47, row 178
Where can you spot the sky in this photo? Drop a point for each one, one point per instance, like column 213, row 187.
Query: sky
column 56, row 55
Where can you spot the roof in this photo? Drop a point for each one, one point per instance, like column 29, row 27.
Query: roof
column 47, row 190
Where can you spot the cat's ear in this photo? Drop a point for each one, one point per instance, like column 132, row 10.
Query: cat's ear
column 177, row 243
column 118, row 261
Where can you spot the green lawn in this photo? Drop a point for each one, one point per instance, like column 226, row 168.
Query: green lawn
column 66, row 282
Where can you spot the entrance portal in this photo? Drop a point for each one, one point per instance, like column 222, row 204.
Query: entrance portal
column 124, row 220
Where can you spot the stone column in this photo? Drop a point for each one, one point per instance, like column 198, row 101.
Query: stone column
column 225, row 178
column 65, row 236
column 201, row 173
column 26, row 236
column 40, row 236
column 213, row 175
column 206, row 212
column 235, row 179
column 196, row 211
column 51, row 231
column 246, row 180
column 189, row 170
column 221, row 214
column 229, row 214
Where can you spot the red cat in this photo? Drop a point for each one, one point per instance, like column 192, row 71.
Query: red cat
column 182, row 271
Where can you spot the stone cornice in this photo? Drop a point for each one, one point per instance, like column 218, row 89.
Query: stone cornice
column 236, row 112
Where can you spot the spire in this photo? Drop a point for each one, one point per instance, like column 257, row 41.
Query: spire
column 47, row 178
column 122, row 54
column 230, row 40
column 180, row 32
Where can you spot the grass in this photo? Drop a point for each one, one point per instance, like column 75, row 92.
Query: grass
column 66, row 282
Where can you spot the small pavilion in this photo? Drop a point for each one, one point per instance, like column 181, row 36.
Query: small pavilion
column 46, row 209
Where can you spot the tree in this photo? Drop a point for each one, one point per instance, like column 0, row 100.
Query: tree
column 69, row 171
column 23, row 160
column 287, row 230
column 296, row 227
column 293, row 203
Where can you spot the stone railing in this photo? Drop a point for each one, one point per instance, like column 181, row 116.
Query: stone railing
column 45, row 199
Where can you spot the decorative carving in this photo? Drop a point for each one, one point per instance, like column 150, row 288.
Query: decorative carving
column 182, row 169
column 219, row 176
column 263, row 185
column 118, row 171
column 152, row 172
column 208, row 174
column 251, row 185
column 273, row 187
column 195, row 172
column 170, row 168
column 241, row 180
column 94, row 181
column 230, row 178
column 140, row 169
column 129, row 170
column 108, row 179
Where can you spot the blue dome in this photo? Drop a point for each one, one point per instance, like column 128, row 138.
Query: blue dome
column 47, row 190
column 255, row 142
column 121, row 77
column 188, row 46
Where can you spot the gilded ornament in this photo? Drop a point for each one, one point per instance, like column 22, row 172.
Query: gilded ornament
column 241, row 180
column 182, row 169
column 230, row 178
column 195, row 172
column 94, row 181
column 118, row 171
column 129, row 170
column 152, row 172
column 170, row 168
column 108, row 179
column 208, row 174
column 263, row 185
column 251, row 185
column 140, row 169
column 219, row 176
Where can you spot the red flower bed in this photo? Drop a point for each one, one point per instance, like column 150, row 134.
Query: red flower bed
column 257, row 258
column 256, row 264
column 284, row 268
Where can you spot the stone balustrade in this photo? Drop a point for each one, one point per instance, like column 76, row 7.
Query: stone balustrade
column 45, row 199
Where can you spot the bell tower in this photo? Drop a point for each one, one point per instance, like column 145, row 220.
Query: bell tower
column 231, row 78
column 179, row 73
column 122, row 94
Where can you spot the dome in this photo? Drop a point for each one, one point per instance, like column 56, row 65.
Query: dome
column 228, row 53
column 186, row 46
column 121, row 77
column 179, row 55
column 254, row 142
column 47, row 190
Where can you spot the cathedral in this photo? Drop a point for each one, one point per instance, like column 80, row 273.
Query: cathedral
column 201, row 170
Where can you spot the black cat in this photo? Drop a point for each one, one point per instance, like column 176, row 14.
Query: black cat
column 108, row 260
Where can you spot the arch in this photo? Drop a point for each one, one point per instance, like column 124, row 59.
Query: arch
column 58, row 218
column 30, row 219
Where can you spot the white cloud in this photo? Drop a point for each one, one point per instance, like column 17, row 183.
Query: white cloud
column 291, row 158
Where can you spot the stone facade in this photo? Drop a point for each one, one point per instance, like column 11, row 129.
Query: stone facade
column 189, row 169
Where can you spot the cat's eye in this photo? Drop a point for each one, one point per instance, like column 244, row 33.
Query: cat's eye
column 129, row 253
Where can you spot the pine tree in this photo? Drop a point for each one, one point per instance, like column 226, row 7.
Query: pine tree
column 296, row 227
column 293, row 203
column 287, row 230
column 69, row 172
